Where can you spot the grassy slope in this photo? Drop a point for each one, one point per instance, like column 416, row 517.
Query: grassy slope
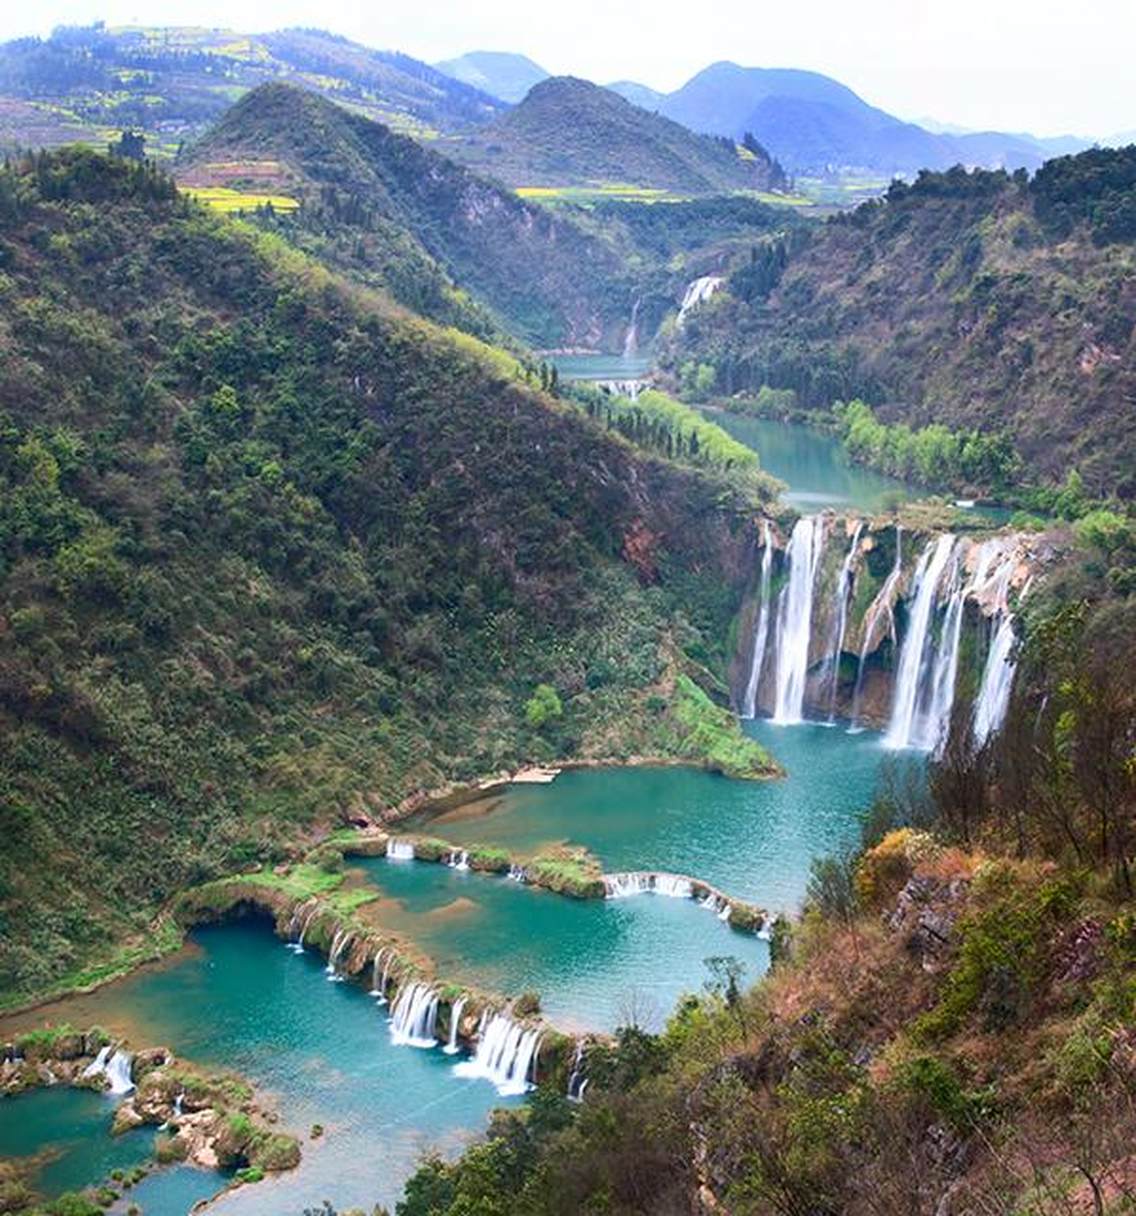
column 173, row 82
column 955, row 301
column 568, row 132
column 270, row 548
column 380, row 203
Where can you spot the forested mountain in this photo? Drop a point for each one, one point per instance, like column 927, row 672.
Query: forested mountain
column 568, row 132
column 171, row 82
column 810, row 121
column 499, row 73
column 980, row 300
column 270, row 549
column 416, row 222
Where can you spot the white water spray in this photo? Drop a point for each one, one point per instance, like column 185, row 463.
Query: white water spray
column 794, row 618
column 400, row 850
column 506, row 1055
column 761, row 635
column 415, row 1016
column 697, row 292
column 452, row 1048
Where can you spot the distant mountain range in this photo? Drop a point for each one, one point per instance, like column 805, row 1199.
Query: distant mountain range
column 808, row 121
column 569, row 132
column 499, row 73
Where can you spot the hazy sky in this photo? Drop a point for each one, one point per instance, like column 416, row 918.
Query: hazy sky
column 1049, row 66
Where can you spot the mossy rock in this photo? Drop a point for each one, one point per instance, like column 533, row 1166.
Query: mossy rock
column 746, row 918
column 167, row 1152
column 489, row 860
column 274, row 1151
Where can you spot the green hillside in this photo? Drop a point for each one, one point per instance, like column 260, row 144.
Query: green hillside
column 271, row 549
column 418, row 224
column 972, row 300
column 172, row 82
column 568, row 132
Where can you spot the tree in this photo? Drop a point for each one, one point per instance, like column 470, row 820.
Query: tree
column 543, row 706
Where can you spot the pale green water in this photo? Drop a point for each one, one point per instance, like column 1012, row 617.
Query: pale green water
column 755, row 840
column 591, row 960
column 814, row 466
column 601, row 367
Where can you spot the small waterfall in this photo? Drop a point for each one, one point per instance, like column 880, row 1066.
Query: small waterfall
column 933, row 723
column 179, row 1100
column 882, row 603
column 644, row 882
column 761, row 635
column 696, row 292
column 630, row 388
column 517, row 873
column 916, row 652
column 998, row 675
column 716, row 904
column 794, row 618
column 458, row 860
column 506, row 1055
column 301, row 919
column 376, row 989
column 97, row 1067
column 577, row 1081
column 382, row 995
column 400, row 850
column 119, row 1068
column 338, row 944
column 305, row 926
column 451, row 1048
column 843, row 591
column 631, row 340
column 415, row 1016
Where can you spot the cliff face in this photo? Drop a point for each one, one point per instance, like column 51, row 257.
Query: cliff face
column 863, row 592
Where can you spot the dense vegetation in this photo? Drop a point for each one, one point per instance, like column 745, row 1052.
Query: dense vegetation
column 271, row 549
column 949, row 1028
column 568, row 132
column 979, row 301
column 171, row 83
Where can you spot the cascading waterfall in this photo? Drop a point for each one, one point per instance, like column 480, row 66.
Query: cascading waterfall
column 179, row 1100
column 458, row 860
column 903, row 729
column 998, row 675
column 716, row 904
column 338, row 944
column 932, row 724
column 794, row 618
column 646, row 882
column 415, row 1016
column 301, row 918
column 577, row 1081
column 97, row 1067
column 306, row 926
column 882, row 603
column 382, row 997
column 118, row 1072
column 761, row 635
column 631, row 340
column 517, row 873
column 376, row 990
column 452, row 1048
column 400, row 850
column 696, row 292
column 506, row 1055
column 843, row 591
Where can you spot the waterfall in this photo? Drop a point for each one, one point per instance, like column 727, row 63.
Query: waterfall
column 118, row 1072
column 881, row 603
column 622, row 388
column 697, row 291
column 451, row 1048
column 414, row 1017
column 383, row 982
column 577, row 1082
column 306, row 926
column 400, row 850
column 179, row 1100
column 631, row 341
column 376, row 990
column 998, row 675
column 338, row 944
column 904, row 728
column 997, row 680
column 761, row 635
column 97, row 1067
column 843, row 589
column 301, row 918
column 794, row 618
column 931, row 726
column 716, row 904
column 458, row 860
column 642, row 882
column 506, row 1054
column 517, row 873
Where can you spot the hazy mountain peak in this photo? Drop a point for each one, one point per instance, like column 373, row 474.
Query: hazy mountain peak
column 502, row 74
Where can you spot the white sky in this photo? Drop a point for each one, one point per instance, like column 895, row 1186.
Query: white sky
column 1047, row 66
